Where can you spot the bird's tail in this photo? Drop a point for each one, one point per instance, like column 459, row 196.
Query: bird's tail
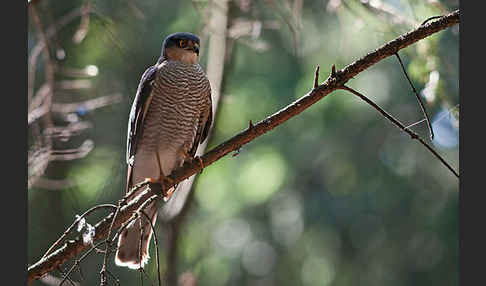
column 133, row 243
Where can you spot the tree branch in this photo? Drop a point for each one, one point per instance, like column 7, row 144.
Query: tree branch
column 422, row 106
column 73, row 247
column 412, row 134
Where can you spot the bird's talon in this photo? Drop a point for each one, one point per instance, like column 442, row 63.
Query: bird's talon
column 200, row 163
column 166, row 179
column 168, row 194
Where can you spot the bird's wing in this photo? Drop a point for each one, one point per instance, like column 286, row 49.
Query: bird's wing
column 203, row 127
column 137, row 112
column 207, row 126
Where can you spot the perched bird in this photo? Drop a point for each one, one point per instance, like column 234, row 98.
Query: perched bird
column 170, row 116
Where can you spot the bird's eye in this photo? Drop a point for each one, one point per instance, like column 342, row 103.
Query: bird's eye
column 182, row 43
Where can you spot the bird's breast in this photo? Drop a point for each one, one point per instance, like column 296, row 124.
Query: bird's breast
column 179, row 95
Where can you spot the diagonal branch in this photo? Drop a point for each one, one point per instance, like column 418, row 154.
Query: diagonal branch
column 422, row 106
column 412, row 134
column 335, row 81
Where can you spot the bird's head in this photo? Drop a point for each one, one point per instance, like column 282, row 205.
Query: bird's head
column 183, row 47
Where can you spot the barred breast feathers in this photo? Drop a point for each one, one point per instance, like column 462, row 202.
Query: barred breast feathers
column 179, row 98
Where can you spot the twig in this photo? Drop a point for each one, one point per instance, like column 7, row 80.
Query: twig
column 437, row 120
column 140, row 268
column 290, row 21
column 48, row 65
column 430, row 19
column 84, row 25
column 76, row 263
column 87, row 105
column 121, row 203
column 71, row 154
column 37, row 113
column 422, row 106
column 38, row 158
column 142, row 271
column 94, row 247
column 113, row 277
column 156, row 244
column 173, row 231
column 73, row 248
column 75, row 223
column 65, row 132
column 53, row 280
column 412, row 134
column 65, row 277
column 107, row 244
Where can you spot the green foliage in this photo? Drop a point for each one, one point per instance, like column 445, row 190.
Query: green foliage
column 92, row 173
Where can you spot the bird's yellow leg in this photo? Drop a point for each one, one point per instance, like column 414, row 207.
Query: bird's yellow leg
column 200, row 163
column 189, row 159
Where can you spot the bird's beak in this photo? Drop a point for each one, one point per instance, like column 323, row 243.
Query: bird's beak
column 193, row 47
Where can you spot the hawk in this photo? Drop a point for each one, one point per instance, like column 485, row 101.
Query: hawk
column 170, row 116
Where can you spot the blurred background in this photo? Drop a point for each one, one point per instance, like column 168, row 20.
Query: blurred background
column 335, row 196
